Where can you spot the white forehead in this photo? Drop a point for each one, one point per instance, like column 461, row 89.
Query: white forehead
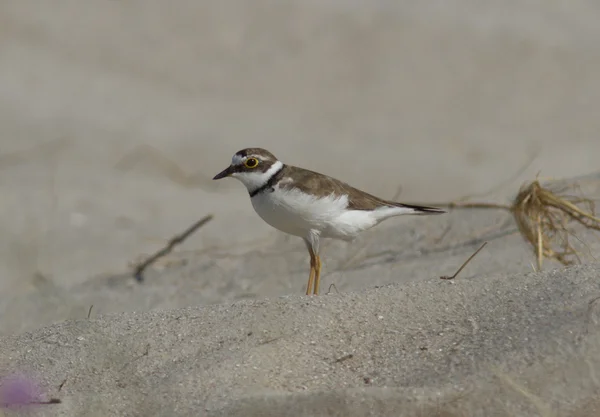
column 237, row 159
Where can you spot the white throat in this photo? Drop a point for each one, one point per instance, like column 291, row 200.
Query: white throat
column 254, row 180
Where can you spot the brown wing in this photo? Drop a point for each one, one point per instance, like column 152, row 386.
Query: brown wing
column 321, row 184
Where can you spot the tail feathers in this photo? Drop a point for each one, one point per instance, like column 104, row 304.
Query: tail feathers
column 422, row 210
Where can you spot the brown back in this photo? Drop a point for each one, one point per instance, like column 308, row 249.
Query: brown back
column 323, row 185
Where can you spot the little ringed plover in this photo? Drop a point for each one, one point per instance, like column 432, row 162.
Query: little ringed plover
column 309, row 204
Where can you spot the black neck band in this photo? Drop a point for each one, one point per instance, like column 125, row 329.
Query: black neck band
column 269, row 184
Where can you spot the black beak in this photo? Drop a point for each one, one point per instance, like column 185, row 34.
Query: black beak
column 225, row 173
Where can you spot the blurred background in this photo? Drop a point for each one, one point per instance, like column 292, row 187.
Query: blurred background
column 115, row 115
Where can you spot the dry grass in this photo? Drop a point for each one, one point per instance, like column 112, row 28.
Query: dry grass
column 545, row 216
column 545, row 220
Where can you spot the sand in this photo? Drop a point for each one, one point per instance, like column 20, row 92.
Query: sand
column 116, row 115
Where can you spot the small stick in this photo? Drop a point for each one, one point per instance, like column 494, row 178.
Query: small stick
column 588, row 317
column 540, row 242
column 468, row 205
column 330, row 287
column 464, row 264
column 176, row 240
column 62, row 384
column 398, row 192
column 50, row 401
column 344, row 358
column 90, row 311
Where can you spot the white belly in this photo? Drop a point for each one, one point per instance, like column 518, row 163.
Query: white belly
column 299, row 214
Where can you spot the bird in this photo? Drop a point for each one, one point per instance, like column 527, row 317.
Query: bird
column 310, row 205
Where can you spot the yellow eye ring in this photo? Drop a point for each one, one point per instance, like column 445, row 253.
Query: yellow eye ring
column 251, row 163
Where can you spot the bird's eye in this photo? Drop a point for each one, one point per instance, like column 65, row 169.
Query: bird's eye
column 251, row 163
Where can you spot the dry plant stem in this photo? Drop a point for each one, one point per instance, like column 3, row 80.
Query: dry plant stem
column 540, row 243
column 49, row 402
column 330, row 287
column 543, row 217
column 344, row 358
column 176, row 240
column 62, row 384
column 465, row 263
column 470, row 205
column 588, row 316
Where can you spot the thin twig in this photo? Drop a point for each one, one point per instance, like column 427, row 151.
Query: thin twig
column 540, row 243
column 90, row 311
column 176, row 240
column 137, row 358
column 330, row 287
column 464, row 264
column 469, row 205
column 49, row 402
column 396, row 196
column 588, row 316
column 344, row 358
column 273, row 339
column 62, row 384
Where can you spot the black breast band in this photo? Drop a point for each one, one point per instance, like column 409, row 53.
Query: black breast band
column 268, row 186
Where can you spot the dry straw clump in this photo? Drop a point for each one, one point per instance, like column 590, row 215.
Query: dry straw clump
column 545, row 216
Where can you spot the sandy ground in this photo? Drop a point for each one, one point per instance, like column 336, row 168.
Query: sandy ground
column 114, row 116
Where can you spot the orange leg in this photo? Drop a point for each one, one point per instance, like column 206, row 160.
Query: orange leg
column 311, row 277
column 317, row 274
